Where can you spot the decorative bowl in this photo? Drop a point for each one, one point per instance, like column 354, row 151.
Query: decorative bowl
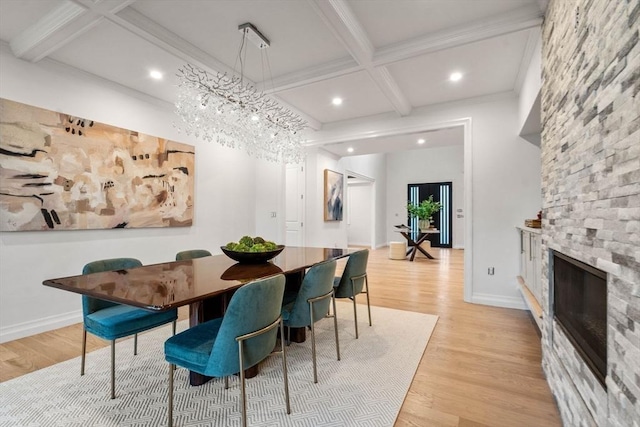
column 252, row 257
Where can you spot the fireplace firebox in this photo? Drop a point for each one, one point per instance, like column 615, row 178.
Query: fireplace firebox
column 580, row 308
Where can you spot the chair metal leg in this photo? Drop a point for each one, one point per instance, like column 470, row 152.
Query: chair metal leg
column 113, row 369
column 174, row 327
column 240, row 341
column 366, row 285
column 135, row 344
column 226, row 382
column 243, row 394
column 84, row 350
column 355, row 314
column 172, row 367
column 313, row 344
column 335, row 323
column 284, row 369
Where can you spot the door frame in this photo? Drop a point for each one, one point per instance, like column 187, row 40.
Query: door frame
column 411, row 125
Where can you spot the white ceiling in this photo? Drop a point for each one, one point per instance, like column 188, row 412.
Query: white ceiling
column 380, row 56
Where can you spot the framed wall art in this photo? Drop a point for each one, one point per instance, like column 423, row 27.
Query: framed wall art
column 333, row 195
column 61, row 172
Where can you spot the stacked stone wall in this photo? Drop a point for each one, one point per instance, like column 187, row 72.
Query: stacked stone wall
column 591, row 195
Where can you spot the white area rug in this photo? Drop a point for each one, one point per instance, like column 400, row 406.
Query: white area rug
column 366, row 388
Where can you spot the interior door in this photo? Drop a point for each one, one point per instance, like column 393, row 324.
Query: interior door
column 294, row 205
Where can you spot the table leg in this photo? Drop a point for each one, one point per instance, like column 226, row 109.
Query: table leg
column 293, row 283
column 417, row 247
column 413, row 253
column 425, row 253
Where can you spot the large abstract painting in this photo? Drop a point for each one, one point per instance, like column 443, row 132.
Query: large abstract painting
column 61, row 172
column 333, row 195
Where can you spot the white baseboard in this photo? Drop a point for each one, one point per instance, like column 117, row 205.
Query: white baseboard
column 25, row 329
column 499, row 301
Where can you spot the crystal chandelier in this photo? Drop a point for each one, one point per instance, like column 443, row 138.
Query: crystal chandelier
column 225, row 109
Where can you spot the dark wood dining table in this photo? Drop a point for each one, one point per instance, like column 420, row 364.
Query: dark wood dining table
column 204, row 284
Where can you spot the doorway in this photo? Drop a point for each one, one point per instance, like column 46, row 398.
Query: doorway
column 441, row 192
column 360, row 209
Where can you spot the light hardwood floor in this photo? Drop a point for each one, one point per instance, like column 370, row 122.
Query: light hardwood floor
column 481, row 367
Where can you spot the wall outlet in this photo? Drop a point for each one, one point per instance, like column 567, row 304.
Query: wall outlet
column 491, row 271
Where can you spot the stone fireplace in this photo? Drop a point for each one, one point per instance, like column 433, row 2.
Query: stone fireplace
column 591, row 203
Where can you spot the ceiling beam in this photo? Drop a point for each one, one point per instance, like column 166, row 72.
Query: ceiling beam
column 50, row 32
column 149, row 30
column 518, row 20
column 314, row 74
column 511, row 22
column 69, row 20
column 158, row 35
column 344, row 25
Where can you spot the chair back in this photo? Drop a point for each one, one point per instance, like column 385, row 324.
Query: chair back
column 91, row 305
column 356, row 267
column 253, row 306
column 317, row 281
column 191, row 254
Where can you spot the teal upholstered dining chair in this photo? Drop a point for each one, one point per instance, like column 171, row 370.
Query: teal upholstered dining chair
column 110, row 321
column 311, row 303
column 225, row 346
column 354, row 281
column 191, row 254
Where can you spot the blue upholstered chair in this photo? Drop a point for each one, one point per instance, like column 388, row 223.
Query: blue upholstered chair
column 110, row 321
column 191, row 254
column 225, row 346
column 311, row 303
column 354, row 281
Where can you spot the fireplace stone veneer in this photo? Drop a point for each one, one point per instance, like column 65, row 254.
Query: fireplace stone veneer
column 591, row 196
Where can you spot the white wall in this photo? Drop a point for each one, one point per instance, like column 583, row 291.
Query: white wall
column 442, row 164
column 225, row 199
column 531, row 84
column 529, row 120
column 318, row 232
column 504, row 174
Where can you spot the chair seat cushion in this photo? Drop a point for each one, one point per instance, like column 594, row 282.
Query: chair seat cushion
column 123, row 320
column 191, row 348
column 286, row 311
column 341, row 292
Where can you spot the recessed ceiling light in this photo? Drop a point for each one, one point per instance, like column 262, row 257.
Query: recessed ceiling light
column 454, row 77
column 421, row 141
column 350, row 149
column 336, row 101
column 155, row 74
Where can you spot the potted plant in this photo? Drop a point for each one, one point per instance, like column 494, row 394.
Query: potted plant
column 424, row 211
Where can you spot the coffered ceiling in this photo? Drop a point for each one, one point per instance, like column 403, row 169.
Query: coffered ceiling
column 379, row 56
